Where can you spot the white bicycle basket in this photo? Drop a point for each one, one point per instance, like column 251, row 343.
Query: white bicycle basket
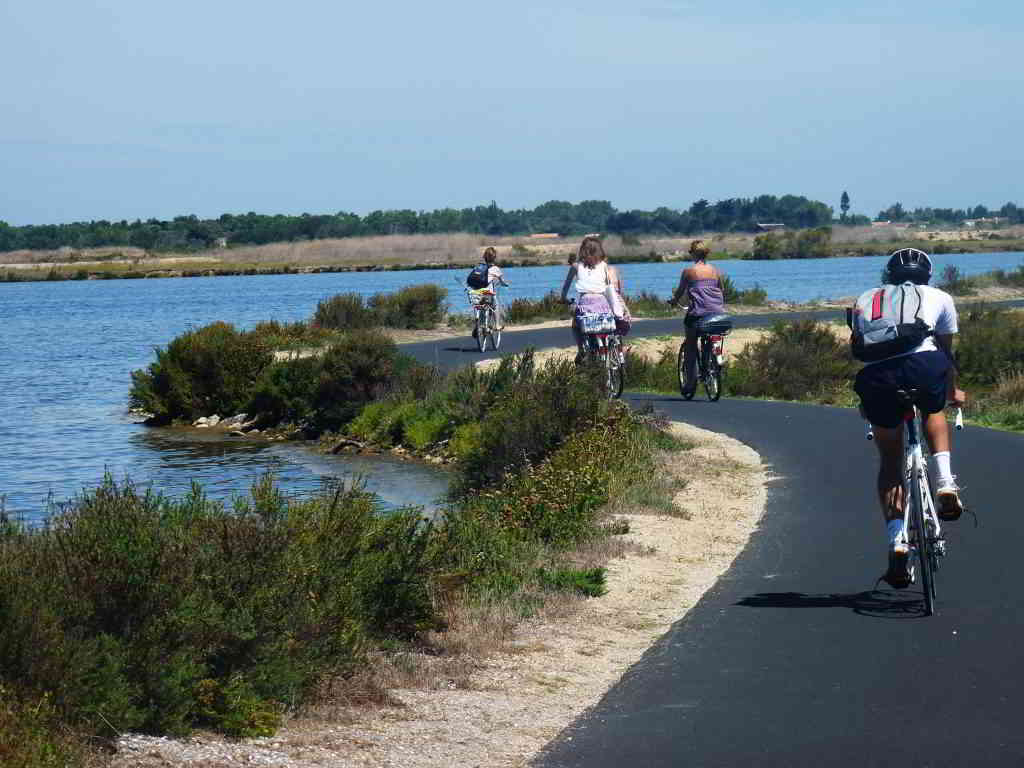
column 597, row 323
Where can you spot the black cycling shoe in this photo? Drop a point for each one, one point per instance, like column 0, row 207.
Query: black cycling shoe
column 900, row 574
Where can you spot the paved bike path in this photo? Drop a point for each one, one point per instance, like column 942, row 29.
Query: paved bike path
column 792, row 659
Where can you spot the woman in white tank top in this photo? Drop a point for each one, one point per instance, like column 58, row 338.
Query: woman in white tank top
column 590, row 276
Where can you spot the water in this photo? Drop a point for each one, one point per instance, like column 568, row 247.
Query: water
column 67, row 350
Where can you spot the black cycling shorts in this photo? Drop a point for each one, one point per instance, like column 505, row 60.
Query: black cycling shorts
column 876, row 384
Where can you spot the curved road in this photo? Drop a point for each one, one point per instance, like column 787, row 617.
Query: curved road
column 793, row 658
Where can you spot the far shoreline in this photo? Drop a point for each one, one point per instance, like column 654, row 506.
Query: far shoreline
column 293, row 259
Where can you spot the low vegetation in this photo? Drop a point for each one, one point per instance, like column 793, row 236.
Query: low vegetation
column 131, row 611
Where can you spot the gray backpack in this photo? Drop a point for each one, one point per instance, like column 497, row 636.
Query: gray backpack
column 886, row 322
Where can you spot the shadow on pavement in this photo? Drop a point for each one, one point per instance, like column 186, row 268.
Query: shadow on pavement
column 884, row 604
column 461, row 349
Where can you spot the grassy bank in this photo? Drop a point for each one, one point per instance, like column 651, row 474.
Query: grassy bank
column 131, row 611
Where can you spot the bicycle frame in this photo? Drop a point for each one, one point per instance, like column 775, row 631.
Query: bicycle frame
column 920, row 519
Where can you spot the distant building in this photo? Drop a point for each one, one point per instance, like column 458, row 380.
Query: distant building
column 885, row 223
column 544, row 236
column 221, row 242
column 770, row 227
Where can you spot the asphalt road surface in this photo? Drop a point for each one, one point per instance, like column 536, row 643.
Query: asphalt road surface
column 794, row 658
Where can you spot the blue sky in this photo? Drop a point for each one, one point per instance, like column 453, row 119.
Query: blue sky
column 116, row 109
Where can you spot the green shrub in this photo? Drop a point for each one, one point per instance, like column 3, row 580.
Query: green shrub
column 425, row 429
column 661, row 375
column 356, row 370
column 285, row 390
column 548, row 307
column 207, row 371
column 369, row 422
column 990, row 343
column 32, row 735
column 344, row 312
column 415, row 306
column 1014, row 278
column 293, row 336
column 589, row 582
column 141, row 613
column 796, row 360
column 536, row 412
column 646, row 304
column 956, row 284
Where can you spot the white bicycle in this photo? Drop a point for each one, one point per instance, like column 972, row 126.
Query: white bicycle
column 920, row 520
column 485, row 323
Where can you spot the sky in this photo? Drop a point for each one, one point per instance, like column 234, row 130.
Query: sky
column 125, row 109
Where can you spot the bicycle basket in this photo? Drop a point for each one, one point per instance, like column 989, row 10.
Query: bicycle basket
column 597, row 323
column 717, row 324
column 482, row 298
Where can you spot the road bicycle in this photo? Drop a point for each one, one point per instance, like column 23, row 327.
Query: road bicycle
column 920, row 520
column 485, row 323
column 711, row 332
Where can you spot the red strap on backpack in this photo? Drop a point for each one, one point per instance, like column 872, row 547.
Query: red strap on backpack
column 876, row 305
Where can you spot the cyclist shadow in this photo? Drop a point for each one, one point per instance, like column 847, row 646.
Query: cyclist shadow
column 474, row 348
column 876, row 603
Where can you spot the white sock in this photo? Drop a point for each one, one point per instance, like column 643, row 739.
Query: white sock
column 941, row 468
column 895, row 530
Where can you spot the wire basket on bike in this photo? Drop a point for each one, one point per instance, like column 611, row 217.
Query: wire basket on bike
column 603, row 322
column 480, row 297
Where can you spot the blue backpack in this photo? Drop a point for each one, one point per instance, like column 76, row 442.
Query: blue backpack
column 479, row 278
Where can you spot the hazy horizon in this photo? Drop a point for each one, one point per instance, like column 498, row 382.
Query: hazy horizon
column 122, row 111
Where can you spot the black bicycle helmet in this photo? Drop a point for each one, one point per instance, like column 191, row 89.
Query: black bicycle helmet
column 908, row 264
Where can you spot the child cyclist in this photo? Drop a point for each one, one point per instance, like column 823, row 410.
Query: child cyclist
column 928, row 368
column 488, row 276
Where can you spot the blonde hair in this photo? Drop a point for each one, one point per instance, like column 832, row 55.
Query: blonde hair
column 700, row 250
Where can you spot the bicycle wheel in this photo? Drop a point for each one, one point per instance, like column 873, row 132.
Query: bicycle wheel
column 495, row 333
column 923, row 543
column 616, row 370
column 681, row 367
column 712, row 372
column 481, row 329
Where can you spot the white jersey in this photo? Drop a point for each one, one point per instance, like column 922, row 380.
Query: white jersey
column 494, row 277
column 939, row 313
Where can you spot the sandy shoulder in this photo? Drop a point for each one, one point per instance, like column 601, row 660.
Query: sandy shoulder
column 551, row 670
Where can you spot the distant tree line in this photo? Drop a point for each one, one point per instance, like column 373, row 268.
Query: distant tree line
column 1011, row 213
column 184, row 233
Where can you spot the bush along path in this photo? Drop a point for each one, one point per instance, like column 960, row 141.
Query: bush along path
column 129, row 611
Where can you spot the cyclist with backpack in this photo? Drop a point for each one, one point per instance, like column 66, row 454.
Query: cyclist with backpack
column 903, row 332
column 488, row 275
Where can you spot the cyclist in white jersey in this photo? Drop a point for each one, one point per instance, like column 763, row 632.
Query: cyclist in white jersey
column 929, row 369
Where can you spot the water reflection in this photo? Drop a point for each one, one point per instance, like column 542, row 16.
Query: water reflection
column 227, row 466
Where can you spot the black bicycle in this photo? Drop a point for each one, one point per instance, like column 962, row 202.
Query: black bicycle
column 711, row 332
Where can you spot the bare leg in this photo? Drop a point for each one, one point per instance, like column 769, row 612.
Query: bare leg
column 690, row 360
column 890, row 471
column 936, row 430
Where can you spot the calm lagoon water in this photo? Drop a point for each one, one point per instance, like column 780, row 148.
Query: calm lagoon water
column 67, row 350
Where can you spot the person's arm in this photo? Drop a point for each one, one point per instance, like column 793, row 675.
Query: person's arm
column 616, row 280
column 682, row 287
column 569, row 277
column 954, row 395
